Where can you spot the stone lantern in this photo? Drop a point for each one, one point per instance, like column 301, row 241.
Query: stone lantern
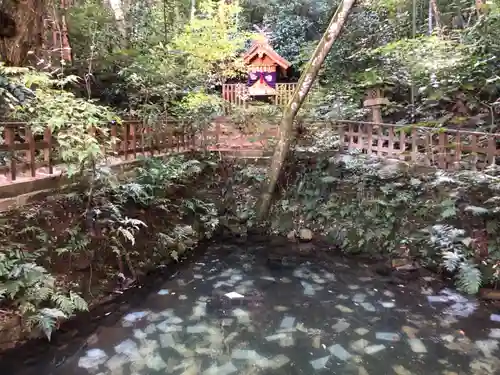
column 375, row 100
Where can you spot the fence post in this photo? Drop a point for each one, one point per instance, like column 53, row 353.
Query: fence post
column 31, row 151
column 9, row 141
column 369, row 138
column 217, row 133
column 47, row 152
column 114, row 139
column 458, row 150
column 340, row 129
column 125, row 140
column 133, row 130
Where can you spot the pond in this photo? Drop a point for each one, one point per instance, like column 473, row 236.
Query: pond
column 233, row 312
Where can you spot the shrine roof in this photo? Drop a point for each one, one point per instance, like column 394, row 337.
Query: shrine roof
column 262, row 47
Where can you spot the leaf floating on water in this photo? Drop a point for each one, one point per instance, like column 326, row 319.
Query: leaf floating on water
column 92, row 359
column 401, row 370
column 361, row 331
column 166, row 340
column 368, row 306
column 417, row 345
column 359, row 345
column 495, row 317
column 135, row 316
column 374, row 349
column 287, row 322
column 127, row 347
column 319, row 363
column 387, row 336
column 233, row 295
column 344, row 309
column 341, row 326
column 339, row 352
column 275, row 337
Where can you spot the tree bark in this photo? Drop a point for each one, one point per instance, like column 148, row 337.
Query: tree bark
column 306, row 80
column 120, row 9
column 437, row 17
column 26, row 46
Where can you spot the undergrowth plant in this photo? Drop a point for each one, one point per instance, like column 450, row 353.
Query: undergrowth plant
column 445, row 220
column 105, row 220
column 33, row 292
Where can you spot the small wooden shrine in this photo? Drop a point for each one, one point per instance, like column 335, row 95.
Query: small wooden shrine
column 264, row 67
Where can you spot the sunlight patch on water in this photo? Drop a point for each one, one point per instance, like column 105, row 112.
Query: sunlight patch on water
column 230, row 321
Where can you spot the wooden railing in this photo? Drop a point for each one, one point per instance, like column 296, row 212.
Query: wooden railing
column 23, row 153
column 284, row 92
column 442, row 148
column 236, row 94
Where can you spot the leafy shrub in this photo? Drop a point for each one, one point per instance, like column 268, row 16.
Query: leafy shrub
column 367, row 205
column 33, row 292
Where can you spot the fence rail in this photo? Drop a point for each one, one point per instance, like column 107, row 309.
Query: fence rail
column 38, row 154
column 236, row 94
column 449, row 149
column 24, row 154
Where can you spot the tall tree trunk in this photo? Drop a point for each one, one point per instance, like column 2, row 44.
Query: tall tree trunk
column 119, row 9
column 306, row 80
column 27, row 44
column 437, row 17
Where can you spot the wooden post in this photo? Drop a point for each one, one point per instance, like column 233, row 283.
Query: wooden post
column 9, row 141
column 47, row 153
column 31, row 152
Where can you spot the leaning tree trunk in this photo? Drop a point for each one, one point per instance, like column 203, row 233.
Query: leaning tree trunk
column 26, row 43
column 306, row 80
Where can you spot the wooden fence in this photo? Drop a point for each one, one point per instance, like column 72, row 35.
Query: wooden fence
column 24, row 154
column 443, row 148
column 236, row 94
column 22, row 151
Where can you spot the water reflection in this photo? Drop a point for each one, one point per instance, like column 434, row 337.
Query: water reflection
column 237, row 316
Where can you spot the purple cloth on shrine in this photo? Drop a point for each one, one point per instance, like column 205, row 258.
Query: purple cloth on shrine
column 267, row 77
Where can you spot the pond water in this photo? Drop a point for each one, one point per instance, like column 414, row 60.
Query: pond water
column 232, row 313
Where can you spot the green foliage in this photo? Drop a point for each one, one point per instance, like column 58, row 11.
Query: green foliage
column 74, row 122
column 256, row 118
column 112, row 224
column 33, row 291
column 212, row 41
column 455, row 253
column 197, row 57
column 93, row 35
column 364, row 205
column 198, row 109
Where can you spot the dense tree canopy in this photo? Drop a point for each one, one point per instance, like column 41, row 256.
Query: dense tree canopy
column 437, row 59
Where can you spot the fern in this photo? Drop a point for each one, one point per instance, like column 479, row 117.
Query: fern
column 469, row 277
column 46, row 323
column 451, row 260
column 64, row 303
column 451, row 243
column 32, row 290
column 79, row 303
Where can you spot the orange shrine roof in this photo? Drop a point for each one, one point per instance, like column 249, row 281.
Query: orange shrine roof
column 260, row 48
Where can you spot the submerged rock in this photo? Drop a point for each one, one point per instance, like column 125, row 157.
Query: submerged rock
column 305, row 234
